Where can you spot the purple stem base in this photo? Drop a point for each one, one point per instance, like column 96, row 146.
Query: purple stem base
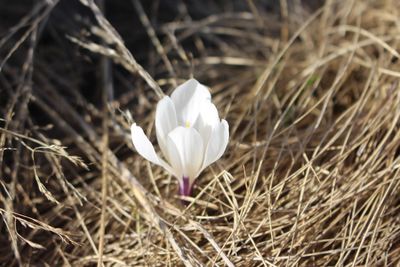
column 185, row 188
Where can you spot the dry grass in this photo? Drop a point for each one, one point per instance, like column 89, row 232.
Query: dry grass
column 311, row 173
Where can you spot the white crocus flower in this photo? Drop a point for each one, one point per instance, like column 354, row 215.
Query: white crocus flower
column 189, row 132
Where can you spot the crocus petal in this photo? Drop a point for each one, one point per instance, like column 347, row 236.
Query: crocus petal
column 188, row 99
column 189, row 133
column 207, row 121
column 217, row 144
column 144, row 147
column 174, row 158
column 165, row 122
column 189, row 146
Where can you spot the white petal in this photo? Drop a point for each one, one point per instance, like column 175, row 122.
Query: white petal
column 189, row 146
column 186, row 90
column 144, row 147
column 207, row 121
column 217, row 144
column 188, row 99
column 174, row 158
column 209, row 114
column 165, row 122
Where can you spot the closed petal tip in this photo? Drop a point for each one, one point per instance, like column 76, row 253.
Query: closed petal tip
column 188, row 98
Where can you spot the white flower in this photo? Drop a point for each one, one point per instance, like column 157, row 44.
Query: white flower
column 189, row 132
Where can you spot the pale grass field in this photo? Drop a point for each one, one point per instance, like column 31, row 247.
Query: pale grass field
column 311, row 173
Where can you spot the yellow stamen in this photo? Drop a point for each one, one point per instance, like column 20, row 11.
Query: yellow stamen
column 187, row 124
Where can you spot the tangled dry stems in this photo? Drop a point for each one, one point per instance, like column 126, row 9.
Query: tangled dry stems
column 311, row 175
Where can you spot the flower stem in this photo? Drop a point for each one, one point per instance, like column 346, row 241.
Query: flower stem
column 185, row 188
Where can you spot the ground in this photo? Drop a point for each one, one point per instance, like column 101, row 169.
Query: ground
column 311, row 93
